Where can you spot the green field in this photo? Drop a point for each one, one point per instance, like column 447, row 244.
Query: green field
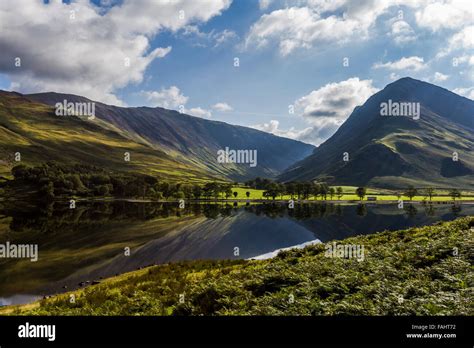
column 349, row 195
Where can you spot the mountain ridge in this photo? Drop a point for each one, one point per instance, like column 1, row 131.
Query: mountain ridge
column 189, row 141
column 382, row 150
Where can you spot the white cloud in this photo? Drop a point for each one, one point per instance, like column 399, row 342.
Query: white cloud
column 440, row 77
column 222, row 107
column 292, row 133
column 311, row 23
column 150, row 16
column 462, row 40
column 324, row 109
column 86, row 51
column 321, row 130
column 295, row 27
column 393, row 76
column 445, row 14
column 263, row 4
column 270, row 127
column 316, row 22
column 402, row 33
column 213, row 38
column 326, row 5
column 466, row 92
column 223, row 36
column 316, row 134
column 199, row 112
column 406, row 63
column 465, row 59
column 335, row 100
column 170, row 98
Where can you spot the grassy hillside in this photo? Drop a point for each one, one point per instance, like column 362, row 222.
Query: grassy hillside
column 421, row 271
column 394, row 152
column 33, row 130
column 194, row 140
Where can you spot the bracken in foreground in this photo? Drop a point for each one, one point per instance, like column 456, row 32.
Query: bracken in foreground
column 419, row 271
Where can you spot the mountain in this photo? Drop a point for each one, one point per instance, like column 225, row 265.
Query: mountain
column 34, row 131
column 161, row 142
column 396, row 151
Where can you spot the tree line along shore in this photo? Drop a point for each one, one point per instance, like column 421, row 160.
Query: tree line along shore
column 51, row 181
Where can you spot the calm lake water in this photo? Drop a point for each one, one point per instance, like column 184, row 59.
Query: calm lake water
column 92, row 241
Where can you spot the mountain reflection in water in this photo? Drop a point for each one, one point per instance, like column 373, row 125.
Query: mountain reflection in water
column 89, row 243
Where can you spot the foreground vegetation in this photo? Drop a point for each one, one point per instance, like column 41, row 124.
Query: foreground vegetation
column 419, row 271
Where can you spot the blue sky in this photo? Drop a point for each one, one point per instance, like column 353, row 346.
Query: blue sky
column 291, row 54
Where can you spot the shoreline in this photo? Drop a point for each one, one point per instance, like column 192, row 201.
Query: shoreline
column 259, row 201
column 311, row 259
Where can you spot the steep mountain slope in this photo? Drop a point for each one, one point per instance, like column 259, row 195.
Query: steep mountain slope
column 395, row 151
column 194, row 140
column 33, row 130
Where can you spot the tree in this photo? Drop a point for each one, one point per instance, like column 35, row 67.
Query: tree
column 430, row 192
column 20, row 171
column 100, row 179
column 455, row 193
column 411, row 192
column 216, row 190
column 307, row 190
column 48, row 191
column 236, row 194
column 179, row 195
column 207, row 190
column 281, row 190
column 361, row 209
column 324, row 191
column 332, row 192
column 212, row 189
column 157, row 195
column 290, row 189
column 119, row 185
column 361, row 192
column 339, row 192
column 411, row 210
column 272, row 191
column 247, row 194
column 299, row 189
column 187, row 190
column 228, row 191
column 197, row 191
column 316, row 190
column 165, row 187
column 102, row 190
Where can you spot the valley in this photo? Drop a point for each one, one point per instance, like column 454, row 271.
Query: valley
column 143, row 188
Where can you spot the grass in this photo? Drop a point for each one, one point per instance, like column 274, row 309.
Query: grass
column 381, row 194
column 418, row 271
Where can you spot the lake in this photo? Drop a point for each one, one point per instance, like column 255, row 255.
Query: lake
column 103, row 239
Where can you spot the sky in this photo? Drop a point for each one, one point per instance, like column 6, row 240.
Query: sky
column 293, row 68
